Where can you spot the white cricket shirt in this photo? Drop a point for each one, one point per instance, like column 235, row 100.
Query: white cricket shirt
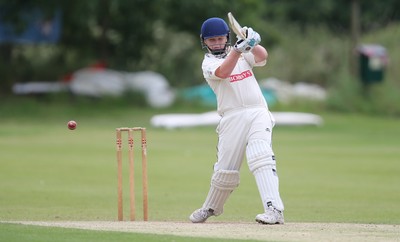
column 240, row 89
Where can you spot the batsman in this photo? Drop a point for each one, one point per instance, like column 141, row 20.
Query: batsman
column 246, row 123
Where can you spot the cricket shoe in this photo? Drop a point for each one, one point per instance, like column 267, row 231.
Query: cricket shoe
column 201, row 215
column 270, row 216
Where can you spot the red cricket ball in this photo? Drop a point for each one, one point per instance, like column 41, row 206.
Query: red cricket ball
column 72, row 125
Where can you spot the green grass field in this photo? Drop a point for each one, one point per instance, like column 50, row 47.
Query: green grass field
column 344, row 171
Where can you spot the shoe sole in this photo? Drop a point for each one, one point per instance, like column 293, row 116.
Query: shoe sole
column 263, row 222
column 196, row 221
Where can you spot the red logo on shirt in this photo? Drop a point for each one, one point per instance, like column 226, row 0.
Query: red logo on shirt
column 241, row 76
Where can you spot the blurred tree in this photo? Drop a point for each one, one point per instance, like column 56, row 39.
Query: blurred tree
column 113, row 31
column 105, row 28
column 126, row 33
column 334, row 14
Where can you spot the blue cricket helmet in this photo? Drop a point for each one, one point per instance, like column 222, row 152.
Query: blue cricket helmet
column 213, row 27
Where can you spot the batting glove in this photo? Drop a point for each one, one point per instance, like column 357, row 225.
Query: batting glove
column 253, row 36
column 243, row 46
column 246, row 45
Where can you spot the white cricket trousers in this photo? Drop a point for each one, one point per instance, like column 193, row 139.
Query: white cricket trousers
column 236, row 129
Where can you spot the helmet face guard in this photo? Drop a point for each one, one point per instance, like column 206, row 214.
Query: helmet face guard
column 220, row 52
column 214, row 27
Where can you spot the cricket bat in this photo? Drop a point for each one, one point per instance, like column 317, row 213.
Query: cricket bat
column 235, row 26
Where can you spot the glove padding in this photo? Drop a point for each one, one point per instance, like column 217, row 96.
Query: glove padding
column 246, row 45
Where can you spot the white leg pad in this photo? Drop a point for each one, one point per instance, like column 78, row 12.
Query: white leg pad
column 223, row 182
column 260, row 159
column 268, row 185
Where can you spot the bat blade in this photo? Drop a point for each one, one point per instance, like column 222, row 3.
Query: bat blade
column 235, row 26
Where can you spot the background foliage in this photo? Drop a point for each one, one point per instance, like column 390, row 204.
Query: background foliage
column 307, row 40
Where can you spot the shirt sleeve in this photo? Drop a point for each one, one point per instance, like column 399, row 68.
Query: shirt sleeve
column 209, row 66
column 249, row 57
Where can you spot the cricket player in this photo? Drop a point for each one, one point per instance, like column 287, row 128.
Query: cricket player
column 246, row 123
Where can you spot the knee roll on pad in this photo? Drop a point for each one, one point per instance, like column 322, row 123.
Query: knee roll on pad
column 223, row 182
column 225, row 179
column 259, row 154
